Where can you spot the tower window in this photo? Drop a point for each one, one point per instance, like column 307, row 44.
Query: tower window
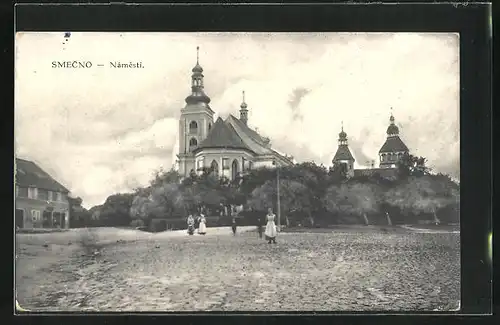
column 209, row 126
column 193, row 127
column 193, row 142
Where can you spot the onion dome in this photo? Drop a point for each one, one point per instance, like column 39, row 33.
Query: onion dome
column 392, row 129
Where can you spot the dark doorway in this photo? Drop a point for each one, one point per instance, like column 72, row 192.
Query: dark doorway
column 47, row 219
column 63, row 220
column 20, row 218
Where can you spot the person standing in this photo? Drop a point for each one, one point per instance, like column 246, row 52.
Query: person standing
column 190, row 223
column 271, row 230
column 233, row 226
column 259, row 227
column 202, row 228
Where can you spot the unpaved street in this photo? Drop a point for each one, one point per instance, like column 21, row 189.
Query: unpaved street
column 304, row 271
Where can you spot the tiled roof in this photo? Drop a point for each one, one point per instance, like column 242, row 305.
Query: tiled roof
column 251, row 133
column 223, row 135
column 393, row 144
column 30, row 174
column 383, row 172
column 343, row 153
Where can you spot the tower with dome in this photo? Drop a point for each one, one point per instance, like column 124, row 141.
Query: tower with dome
column 390, row 154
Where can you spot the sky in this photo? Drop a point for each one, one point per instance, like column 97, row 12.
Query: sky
column 102, row 131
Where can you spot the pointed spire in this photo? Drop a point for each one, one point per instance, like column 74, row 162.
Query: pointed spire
column 197, row 55
column 243, row 110
column 243, row 103
column 342, row 126
column 391, row 119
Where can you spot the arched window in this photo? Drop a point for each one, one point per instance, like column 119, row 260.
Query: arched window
column 234, row 169
column 193, row 127
column 382, row 157
column 193, row 142
column 209, row 126
column 215, row 168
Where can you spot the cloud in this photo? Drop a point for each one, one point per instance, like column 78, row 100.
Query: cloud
column 103, row 130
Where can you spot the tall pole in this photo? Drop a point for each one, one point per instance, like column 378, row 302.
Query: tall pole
column 278, row 193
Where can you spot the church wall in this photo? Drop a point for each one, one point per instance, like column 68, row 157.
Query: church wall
column 209, row 155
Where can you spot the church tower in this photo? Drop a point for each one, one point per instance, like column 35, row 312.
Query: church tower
column 343, row 154
column 244, row 111
column 393, row 148
column 196, row 120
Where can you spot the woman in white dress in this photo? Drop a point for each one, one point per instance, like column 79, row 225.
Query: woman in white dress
column 202, row 228
column 271, row 230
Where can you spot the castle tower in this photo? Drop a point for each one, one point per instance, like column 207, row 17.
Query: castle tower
column 244, row 111
column 393, row 148
column 343, row 154
column 196, row 120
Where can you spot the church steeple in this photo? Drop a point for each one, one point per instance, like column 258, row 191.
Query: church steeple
column 197, row 89
column 243, row 110
column 392, row 129
column 343, row 155
column 342, row 136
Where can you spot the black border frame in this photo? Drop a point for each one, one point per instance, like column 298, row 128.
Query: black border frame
column 472, row 21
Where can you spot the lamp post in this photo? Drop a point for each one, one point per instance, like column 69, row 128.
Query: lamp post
column 278, row 210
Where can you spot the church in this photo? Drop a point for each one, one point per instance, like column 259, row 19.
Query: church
column 390, row 153
column 228, row 146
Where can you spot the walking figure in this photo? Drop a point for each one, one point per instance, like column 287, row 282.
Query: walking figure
column 233, row 226
column 259, row 228
column 271, row 230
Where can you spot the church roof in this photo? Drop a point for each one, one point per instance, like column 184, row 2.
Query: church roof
column 251, row 133
column 393, row 144
column 223, row 135
column 30, row 174
column 343, row 153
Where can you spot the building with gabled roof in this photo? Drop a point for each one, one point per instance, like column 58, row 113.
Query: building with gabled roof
column 41, row 201
column 390, row 153
column 228, row 146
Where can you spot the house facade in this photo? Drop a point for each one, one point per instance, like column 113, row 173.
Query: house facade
column 229, row 146
column 390, row 154
column 40, row 201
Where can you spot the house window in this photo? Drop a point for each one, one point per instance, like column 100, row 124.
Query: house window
column 50, row 196
column 59, row 196
column 225, row 163
column 32, row 192
column 35, row 215
column 22, row 191
column 209, row 126
column 250, row 165
column 201, row 163
column 215, row 168
column 43, row 194
column 193, row 127
column 243, row 160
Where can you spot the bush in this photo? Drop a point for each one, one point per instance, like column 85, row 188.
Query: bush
column 89, row 241
column 157, row 225
column 137, row 223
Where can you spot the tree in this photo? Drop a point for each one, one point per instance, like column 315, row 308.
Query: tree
column 410, row 165
column 424, row 194
column 353, row 198
column 79, row 216
column 116, row 209
column 294, row 196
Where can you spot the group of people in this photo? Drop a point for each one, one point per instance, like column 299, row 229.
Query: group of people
column 270, row 232
column 200, row 222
